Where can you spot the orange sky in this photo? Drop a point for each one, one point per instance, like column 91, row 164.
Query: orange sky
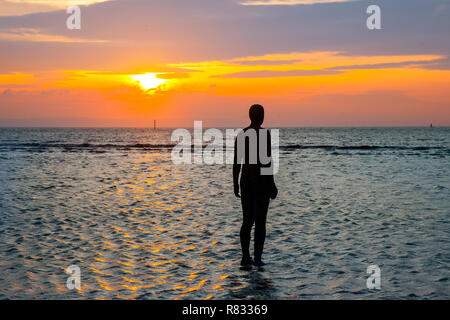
column 305, row 88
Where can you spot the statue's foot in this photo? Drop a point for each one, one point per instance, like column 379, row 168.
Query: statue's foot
column 246, row 262
column 258, row 263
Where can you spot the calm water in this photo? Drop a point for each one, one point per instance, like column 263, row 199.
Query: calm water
column 140, row 227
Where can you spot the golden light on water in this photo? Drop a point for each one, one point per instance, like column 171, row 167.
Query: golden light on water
column 148, row 80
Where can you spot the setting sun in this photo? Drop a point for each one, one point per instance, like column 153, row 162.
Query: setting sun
column 148, row 80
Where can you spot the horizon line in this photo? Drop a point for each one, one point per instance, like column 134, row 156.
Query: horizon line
column 221, row 127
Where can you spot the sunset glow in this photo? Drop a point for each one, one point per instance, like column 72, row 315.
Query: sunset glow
column 148, row 80
column 307, row 66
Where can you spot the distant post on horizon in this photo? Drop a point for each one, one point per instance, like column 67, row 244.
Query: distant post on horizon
column 154, row 124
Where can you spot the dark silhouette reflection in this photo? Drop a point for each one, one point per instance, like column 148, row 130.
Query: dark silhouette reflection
column 253, row 285
column 255, row 189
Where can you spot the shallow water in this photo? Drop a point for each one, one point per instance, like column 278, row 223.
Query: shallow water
column 139, row 227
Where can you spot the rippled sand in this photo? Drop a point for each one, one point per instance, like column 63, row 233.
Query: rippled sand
column 140, row 227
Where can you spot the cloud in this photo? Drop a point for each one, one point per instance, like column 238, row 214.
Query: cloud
column 278, row 73
column 56, row 3
column 418, row 63
column 164, row 31
column 326, row 63
column 35, row 35
column 328, row 71
column 22, row 7
column 438, row 64
column 16, row 80
column 174, row 75
column 265, row 62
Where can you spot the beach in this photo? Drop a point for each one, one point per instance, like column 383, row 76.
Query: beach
column 111, row 201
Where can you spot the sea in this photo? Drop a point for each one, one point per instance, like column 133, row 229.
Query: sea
column 356, row 207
